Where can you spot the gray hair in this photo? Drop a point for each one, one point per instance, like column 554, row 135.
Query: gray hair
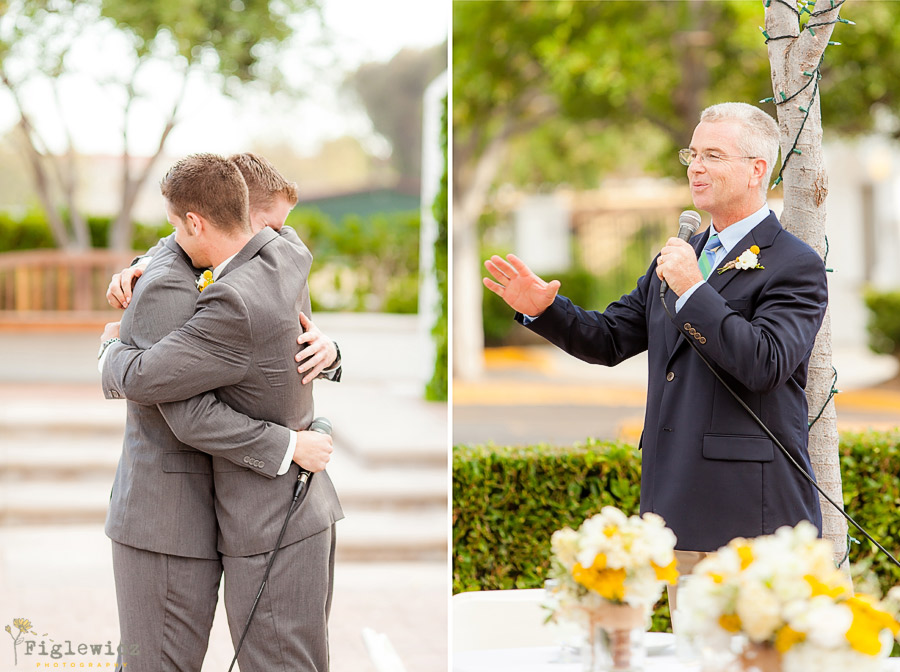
column 761, row 135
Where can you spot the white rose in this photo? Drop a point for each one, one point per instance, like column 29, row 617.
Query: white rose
column 759, row 611
column 746, row 261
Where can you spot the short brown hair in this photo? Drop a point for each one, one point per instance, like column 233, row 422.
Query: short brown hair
column 211, row 186
column 264, row 181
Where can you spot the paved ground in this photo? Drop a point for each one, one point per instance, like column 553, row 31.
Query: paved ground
column 59, row 442
column 60, row 578
column 539, row 394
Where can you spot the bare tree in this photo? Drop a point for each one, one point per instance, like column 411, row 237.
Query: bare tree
column 38, row 43
column 796, row 45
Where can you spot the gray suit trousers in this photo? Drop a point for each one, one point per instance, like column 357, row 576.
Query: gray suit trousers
column 166, row 608
column 289, row 632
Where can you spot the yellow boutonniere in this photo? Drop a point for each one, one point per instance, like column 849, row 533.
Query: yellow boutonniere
column 205, row 280
column 748, row 261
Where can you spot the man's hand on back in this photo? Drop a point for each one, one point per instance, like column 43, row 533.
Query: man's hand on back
column 118, row 295
column 318, row 353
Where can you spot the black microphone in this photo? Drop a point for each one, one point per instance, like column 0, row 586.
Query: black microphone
column 323, row 426
column 688, row 223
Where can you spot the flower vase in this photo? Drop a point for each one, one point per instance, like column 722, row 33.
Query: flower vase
column 759, row 658
column 615, row 639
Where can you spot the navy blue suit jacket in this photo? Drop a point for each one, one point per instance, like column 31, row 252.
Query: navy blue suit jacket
column 708, row 469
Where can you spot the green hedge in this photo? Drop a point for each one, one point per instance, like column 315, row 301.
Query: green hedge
column 437, row 388
column 884, row 321
column 380, row 252
column 507, row 501
column 31, row 231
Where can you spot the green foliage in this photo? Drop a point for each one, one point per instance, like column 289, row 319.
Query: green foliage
column 234, row 34
column 884, row 321
column 625, row 66
column 26, row 233
column 380, row 254
column 437, row 388
column 583, row 82
column 31, row 231
column 870, row 464
column 508, row 501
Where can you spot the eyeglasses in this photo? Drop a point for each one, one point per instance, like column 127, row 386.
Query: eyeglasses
column 688, row 156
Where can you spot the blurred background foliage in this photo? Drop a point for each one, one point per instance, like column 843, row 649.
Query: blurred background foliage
column 570, row 94
column 361, row 263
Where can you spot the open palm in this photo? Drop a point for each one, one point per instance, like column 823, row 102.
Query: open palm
column 516, row 284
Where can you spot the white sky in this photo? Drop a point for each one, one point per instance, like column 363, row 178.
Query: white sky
column 359, row 31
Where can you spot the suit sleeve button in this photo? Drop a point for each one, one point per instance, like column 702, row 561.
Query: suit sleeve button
column 670, row 376
column 687, row 326
column 702, row 340
column 246, row 459
column 261, row 464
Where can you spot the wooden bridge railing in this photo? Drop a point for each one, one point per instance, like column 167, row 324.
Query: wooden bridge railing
column 49, row 287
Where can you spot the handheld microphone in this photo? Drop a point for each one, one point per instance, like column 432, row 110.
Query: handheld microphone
column 688, row 223
column 323, row 426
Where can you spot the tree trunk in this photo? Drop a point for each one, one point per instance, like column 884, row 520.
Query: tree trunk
column 794, row 63
column 468, row 204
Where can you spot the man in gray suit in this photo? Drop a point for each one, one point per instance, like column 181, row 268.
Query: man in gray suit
column 240, row 340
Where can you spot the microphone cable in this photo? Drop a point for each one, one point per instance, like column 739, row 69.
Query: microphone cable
column 662, row 297
column 322, row 425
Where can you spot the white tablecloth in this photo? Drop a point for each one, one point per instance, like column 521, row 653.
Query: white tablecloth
column 539, row 659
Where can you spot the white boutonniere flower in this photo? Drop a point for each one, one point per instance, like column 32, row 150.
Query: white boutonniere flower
column 205, row 280
column 748, row 261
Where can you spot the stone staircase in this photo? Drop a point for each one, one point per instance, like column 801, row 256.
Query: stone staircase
column 60, row 444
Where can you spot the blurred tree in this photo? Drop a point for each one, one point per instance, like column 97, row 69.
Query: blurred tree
column 566, row 92
column 576, row 71
column 797, row 40
column 392, row 95
column 40, row 42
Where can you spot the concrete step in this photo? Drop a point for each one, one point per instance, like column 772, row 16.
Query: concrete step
column 367, row 533
column 37, row 475
column 375, row 537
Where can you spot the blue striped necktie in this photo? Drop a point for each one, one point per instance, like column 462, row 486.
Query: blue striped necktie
column 708, row 256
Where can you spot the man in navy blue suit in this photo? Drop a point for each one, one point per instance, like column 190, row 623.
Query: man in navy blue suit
column 708, row 469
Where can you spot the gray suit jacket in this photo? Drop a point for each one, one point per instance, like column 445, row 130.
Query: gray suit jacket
column 241, row 341
column 162, row 498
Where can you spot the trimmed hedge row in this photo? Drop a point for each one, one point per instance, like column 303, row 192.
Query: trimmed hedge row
column 507, row 501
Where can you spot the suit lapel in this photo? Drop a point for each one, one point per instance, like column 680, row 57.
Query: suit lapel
column 250, row 250
column 762, row 235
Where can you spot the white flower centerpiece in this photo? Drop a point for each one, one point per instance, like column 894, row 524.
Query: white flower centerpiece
column 795, row 610
column 608, row 575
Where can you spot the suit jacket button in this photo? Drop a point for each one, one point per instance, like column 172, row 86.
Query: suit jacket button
column 687, row 325
column 697, row 335
column 261, row 464
column 114, row 394
column 702, row 340
column 670, row 376
column 246, row 459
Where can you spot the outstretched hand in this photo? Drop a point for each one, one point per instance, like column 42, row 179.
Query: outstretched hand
column 516, row 284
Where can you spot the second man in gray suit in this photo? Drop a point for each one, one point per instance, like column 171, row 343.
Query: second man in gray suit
column 240, row 342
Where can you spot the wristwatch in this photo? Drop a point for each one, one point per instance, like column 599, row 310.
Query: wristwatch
column 108, row 342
